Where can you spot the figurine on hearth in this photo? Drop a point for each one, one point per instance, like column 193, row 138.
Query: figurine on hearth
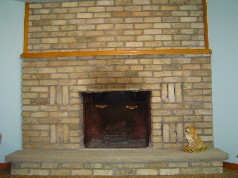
column 195, row 144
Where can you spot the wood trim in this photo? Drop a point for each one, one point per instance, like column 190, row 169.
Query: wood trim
column 113, row 53
column 26, row 20
column 206, row 41
column 231, row 166
column 5, row 166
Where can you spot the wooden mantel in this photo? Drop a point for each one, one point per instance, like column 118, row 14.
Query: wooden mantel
column 111, row 53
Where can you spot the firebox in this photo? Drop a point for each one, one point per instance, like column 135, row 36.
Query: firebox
column 116, row 119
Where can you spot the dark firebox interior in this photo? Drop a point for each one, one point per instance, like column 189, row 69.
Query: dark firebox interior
column 118, row 119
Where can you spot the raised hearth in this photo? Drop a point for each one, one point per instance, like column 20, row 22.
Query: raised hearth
column 117, row 162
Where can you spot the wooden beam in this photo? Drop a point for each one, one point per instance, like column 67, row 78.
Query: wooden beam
column 206, row 41
column 26, row 23
column 113, row 53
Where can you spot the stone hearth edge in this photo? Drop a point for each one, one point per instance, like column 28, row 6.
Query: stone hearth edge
column 122, row 162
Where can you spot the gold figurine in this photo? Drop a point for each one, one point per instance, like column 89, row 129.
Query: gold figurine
column 195, row 144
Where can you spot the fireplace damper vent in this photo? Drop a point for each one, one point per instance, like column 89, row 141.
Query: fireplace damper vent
column 118, row 119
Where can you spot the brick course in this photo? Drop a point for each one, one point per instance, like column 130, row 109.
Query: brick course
column 115, row 169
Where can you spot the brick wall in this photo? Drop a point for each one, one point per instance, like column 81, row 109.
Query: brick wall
column 116, row 25
column 52, row 104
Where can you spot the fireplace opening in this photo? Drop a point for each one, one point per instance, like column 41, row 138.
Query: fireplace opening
column 116, row 119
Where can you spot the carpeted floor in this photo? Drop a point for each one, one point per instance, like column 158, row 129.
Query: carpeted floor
column 227, row 174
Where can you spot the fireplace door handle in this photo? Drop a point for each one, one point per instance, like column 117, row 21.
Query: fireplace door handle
column 100, row 106
column 131, row 107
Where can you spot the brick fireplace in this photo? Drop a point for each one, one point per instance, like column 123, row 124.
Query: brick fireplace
column 52, row 111
column 155, row 46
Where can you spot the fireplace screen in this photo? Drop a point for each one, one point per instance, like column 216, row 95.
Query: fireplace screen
column 116, row 119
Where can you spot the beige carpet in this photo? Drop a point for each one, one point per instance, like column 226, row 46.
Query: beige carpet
column 227, row 174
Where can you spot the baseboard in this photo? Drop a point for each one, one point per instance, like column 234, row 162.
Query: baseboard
column 228, row 165
column 5, row 166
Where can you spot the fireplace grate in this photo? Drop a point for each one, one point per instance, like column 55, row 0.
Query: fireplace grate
column 115, row 138
column 115, row 132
